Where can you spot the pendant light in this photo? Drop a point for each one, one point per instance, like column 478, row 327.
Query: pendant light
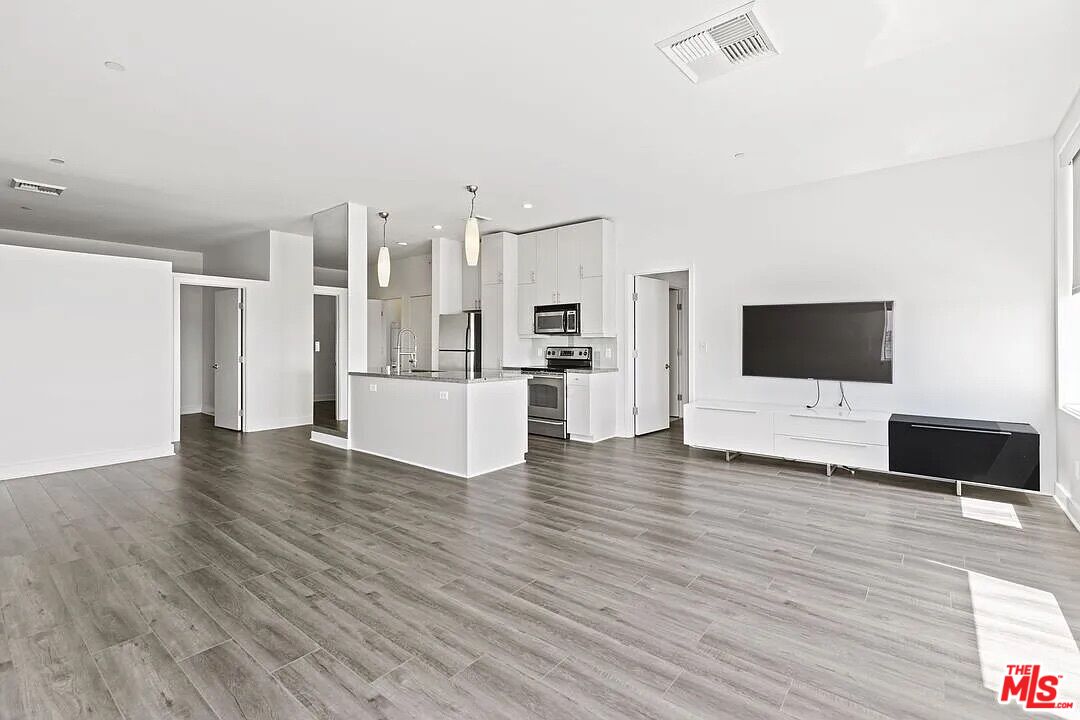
column 384, row 254
column 472, row 231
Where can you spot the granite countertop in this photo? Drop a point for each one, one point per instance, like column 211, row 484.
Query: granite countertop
column 448, row 376
column 583, row 371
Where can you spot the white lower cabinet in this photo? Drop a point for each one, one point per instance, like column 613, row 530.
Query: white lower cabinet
column 831, row 436
column 590, row 406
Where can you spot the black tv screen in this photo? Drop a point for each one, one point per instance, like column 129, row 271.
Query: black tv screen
column 822, row 341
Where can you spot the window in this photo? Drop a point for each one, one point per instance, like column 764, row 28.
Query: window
column 1076, row 224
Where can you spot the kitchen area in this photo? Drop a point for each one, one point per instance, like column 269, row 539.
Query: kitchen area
column 521, row 343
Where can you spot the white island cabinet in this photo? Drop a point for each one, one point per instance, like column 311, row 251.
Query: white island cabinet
column 464, row 424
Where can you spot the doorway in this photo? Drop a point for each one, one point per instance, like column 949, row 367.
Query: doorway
column 209, row 384
column 329, row 391
column 659, row 354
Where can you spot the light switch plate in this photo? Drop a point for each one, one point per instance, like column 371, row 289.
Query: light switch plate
column 444, row 395
column 373, row 387
column 317, row 346
column 607, row 353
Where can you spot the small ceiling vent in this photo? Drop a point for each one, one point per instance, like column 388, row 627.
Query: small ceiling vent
column 720, row 45
column 37, row 187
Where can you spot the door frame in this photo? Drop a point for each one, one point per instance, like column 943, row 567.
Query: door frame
column 221, row 283
column 629, row 324
column 341, row 350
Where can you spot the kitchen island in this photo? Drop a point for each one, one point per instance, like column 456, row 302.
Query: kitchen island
column 456, row 422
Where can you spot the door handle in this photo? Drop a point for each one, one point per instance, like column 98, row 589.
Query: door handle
column 667, row 366
column 216, row 366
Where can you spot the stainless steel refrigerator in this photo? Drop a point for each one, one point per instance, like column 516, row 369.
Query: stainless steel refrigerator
column 459, row 341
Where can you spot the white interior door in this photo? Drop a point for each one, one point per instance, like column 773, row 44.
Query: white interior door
column 674, row 346
column 228, row 365
column 651, row 362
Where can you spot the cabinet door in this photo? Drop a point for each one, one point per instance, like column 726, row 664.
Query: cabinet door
column 547, row 267
column 470, row 287
column 527, row 259
column 589, row 240
column 526, row 300
column 592, row 306
column 491, row 260
column 577, row 408
column 568, row 287
column 491, row 330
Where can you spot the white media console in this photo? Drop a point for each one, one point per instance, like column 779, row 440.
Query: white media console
column 832, row 436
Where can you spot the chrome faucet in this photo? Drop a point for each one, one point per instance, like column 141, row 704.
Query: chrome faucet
column 402, row 353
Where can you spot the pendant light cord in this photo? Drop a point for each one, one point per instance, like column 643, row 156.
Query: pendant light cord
column 472, row 205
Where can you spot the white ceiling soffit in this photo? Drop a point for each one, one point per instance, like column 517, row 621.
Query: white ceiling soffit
column 720, row 45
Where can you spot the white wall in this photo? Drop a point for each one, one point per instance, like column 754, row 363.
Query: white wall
column 182, row 260
column 279, row 316
column 86, row 376
column 962, row 245
column 409, row 276
column 191, row 349
column 244, row 257
column 1068, row 321
column 331, row 277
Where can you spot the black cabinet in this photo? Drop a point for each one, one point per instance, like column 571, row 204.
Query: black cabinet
column 1005, row 454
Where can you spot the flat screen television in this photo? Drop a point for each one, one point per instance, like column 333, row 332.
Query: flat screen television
column 819, row 341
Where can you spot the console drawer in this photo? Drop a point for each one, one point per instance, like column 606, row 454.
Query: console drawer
column 865, row 431
column 833, row 452
column 735, row 429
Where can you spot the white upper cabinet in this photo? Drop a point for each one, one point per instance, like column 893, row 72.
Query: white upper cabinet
column 447, row 261
column 527, row 259
column 547, row 267
column 568, row 288
column 570, row 264
column 470, row 286
column 491, row 259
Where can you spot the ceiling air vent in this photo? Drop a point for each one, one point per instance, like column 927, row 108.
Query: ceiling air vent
column 37, row 187
column 720, row 45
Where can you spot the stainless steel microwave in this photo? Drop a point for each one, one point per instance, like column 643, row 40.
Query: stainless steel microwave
column 557, row 319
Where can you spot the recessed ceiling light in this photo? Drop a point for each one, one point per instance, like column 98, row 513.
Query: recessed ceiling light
column 527, row 205
column 740, row 155
column 113, row 65
column 436, row 227
column 402, row 243
column 57, row 160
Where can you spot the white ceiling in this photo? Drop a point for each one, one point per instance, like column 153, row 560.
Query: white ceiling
column 241, row 115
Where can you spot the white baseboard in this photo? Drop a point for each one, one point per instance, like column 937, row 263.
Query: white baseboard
column 80, row 462
column 331, row 440
column 1068, row 505
column 280, row 424
column 191, row 409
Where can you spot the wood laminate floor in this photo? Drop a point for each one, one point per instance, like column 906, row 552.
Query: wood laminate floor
column 265, row 576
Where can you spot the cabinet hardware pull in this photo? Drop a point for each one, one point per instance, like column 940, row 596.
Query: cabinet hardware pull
column 957, row 429
column 820, row 417
column 830, row 442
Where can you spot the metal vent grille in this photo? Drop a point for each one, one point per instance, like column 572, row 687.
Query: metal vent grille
column 740, row 40
column 719, row 45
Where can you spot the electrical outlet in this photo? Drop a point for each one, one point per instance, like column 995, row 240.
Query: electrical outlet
column 372, row 387
column 607, row 353
column 317, row 346
column 703, row 346
column 444, row 395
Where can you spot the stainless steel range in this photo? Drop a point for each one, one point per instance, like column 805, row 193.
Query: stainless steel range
column 547, row 389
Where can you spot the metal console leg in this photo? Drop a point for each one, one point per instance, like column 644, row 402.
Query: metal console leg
column 729, row 456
